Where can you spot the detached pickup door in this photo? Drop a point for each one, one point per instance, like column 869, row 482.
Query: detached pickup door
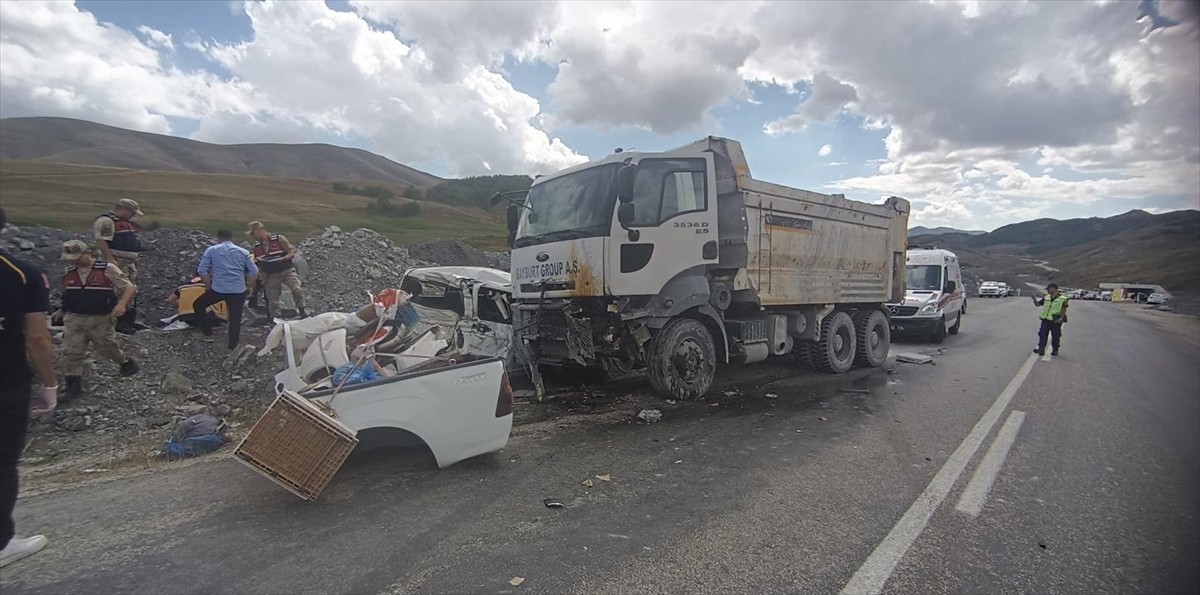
column 459, row 411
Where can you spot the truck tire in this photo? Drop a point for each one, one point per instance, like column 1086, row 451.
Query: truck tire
column 682, row 360
column 803, row 355
column 872, row 336
column 939, row 332
column 835, row 351
column 957, row 324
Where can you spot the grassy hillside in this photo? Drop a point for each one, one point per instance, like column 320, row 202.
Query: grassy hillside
column 65, row 140
column 71, row 196
column 1046, row 235
column 1166, row 253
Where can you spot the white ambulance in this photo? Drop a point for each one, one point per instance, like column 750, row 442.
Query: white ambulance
column 935, row 299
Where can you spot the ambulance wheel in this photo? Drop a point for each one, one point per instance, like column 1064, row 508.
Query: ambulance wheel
column 939, row 332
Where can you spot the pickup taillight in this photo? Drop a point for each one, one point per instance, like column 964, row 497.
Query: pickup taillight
column 504, row 403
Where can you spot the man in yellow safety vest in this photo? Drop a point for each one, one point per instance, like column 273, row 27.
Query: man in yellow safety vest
column 1053, row 316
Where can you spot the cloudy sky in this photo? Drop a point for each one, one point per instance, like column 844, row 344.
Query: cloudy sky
column 983, row 113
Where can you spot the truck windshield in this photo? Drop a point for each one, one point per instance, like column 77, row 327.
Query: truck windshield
column 924, row 277
column 574, row 206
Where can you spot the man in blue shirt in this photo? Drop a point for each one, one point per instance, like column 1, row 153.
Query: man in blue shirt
column 228, row 273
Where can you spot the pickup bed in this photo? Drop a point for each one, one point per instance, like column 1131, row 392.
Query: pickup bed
column 458, row 407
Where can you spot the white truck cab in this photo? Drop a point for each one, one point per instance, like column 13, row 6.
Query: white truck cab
column 934, row 300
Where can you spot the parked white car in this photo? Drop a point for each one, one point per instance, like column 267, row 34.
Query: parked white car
column 991, row 289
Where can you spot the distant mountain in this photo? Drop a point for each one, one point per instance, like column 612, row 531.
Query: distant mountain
column 925, row 231
column 1133, row 247
column 65, row 140
column 1046, row 235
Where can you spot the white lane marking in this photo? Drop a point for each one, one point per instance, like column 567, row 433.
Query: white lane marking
column 976, row 492
column 875, row 572
column 1046, row 357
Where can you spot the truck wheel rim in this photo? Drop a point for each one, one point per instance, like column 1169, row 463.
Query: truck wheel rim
column 687, row 359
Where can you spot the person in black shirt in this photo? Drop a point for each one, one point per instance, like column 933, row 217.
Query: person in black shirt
column 24, row 302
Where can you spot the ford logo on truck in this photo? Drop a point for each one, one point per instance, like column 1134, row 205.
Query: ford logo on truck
column 543, row 256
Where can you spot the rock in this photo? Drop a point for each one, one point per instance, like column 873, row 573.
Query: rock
column 913, row 358
column 650, row 415
column 26, row 245
column 240, row 387
column 242, row 359
column 191, row 409
column 73, row 423
column 333, row 229
column 174, row 383
column 223, row 410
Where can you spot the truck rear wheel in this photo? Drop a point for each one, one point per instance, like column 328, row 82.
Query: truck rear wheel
column 682, row 360
column 873, row 338
column 835, row 351
column 803, row 355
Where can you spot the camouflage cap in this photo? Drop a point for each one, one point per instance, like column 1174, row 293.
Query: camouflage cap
column 73, row 249
column 129, row 203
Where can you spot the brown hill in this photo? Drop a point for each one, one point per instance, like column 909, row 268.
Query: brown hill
column 67, row 140
column 69, row 197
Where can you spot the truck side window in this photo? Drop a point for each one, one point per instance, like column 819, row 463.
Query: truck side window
column 664, row 188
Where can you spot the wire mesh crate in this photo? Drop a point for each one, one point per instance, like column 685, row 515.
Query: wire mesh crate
column 297, row 445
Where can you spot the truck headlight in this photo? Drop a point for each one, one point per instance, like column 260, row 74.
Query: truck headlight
column 927, row 310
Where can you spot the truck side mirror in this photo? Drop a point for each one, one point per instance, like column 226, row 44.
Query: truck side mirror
column 513, row 212
column 625, row 183
column 625, row 214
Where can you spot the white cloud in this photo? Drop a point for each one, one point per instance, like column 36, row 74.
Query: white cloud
column 976, row 97
column 825, row 150
column 156, row 38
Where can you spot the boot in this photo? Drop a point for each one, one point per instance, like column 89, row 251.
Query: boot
column 303, row 314
column 72, row 390
column 130, row 368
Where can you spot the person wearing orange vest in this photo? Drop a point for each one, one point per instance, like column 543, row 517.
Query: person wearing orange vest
column 1053, row 316
column 184, row 297
column 273, row 255
column 95, row 294
column 119, row 244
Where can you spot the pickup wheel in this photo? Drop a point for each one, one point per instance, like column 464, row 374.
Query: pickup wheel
column 939, row 332
column 834, row 352
column 682, row 360
column 872, row 336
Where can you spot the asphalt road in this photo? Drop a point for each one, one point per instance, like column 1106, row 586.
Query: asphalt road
column 822, row 489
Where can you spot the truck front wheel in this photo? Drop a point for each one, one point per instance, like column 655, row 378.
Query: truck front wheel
column 835, row 351
column 683, row 360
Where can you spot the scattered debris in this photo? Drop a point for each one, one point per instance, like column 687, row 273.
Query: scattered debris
column 516, row 581
column 650, row 415
column 587, row 483
column 913, row 358
column 771, row 396
column 679, row 461
column 605, row 477
column 730, row 393
column 175, row 383
column 855, row 391
column 553, row 503
column 821, row 418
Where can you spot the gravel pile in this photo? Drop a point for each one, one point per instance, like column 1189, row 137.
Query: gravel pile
column 343, row 268
column 457, row 253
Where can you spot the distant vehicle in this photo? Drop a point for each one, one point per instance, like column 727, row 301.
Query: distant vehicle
column 990, row 289
column 1157, row 298
column 1010, row 291
column 934, row 300
column 1106, row 296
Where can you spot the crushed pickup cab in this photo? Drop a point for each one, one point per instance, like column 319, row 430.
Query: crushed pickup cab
column 473, row 301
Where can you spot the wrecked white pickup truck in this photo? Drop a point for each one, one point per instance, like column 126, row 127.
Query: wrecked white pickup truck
column 473, row 302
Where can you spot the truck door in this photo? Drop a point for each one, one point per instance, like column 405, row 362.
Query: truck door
column 674, row 226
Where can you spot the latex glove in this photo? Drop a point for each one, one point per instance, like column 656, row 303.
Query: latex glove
column 118, row 310
column 45, row 400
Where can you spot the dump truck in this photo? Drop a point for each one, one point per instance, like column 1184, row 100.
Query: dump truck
column 675, row 262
